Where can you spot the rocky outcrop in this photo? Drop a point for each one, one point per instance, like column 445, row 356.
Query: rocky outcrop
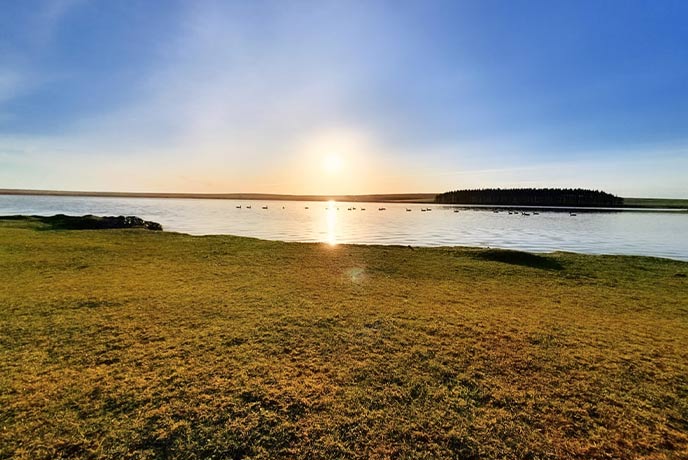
column 89, row 222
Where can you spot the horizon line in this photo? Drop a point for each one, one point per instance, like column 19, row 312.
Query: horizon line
column 226, row 196
column 409, row 197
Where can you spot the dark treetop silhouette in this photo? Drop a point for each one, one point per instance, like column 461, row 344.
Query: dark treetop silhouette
column 530, row 197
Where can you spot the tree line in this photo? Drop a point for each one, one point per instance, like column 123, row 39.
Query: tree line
column 531, row 197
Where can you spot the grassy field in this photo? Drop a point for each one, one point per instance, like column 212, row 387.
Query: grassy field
column 656, row 203
column 139, row 344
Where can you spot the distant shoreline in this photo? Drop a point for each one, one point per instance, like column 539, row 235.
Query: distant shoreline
column 379, row 198
column 649, row 203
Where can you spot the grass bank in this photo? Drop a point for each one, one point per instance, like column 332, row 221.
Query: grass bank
column 667, row 203
column 139, row 344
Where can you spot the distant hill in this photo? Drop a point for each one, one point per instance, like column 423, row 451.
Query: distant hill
column 377, row 198
column 531, row 197
column 484, row 196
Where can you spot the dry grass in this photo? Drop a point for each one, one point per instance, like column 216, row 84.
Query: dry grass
column 134, row 344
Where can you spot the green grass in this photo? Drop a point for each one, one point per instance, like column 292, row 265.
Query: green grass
column 668, row 203
column 138, row 344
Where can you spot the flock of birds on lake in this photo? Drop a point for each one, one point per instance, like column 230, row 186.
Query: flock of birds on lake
column 353, row 208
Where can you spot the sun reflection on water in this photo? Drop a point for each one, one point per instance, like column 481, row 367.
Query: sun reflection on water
column 331, row 223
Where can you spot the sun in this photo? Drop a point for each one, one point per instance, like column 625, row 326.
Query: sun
column 332, row 163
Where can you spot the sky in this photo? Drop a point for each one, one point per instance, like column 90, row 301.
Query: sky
column 344, row 97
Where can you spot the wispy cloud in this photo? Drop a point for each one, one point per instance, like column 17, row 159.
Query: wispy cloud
column 233, row 96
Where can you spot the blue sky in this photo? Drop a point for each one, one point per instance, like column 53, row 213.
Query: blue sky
column 410, row 96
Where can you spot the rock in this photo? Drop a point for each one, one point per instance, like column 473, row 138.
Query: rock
column 90, row 222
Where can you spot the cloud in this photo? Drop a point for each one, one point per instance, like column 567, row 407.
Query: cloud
column 47, row 20
column 21, row 70
column 10, row 83
column 244, row 96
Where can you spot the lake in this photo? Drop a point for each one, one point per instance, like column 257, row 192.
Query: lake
column 653, row 233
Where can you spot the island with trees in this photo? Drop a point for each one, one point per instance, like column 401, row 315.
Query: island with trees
column 565, row 197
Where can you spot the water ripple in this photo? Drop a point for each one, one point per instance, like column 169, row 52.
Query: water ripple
column 638, row 233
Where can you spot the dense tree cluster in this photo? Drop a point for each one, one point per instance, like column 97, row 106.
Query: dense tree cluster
column 530, row 197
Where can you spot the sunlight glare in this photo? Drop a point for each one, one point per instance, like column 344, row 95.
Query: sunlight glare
column 331, row 223
column 332, row 163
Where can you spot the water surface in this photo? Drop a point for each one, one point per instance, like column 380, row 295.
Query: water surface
column 662, row 234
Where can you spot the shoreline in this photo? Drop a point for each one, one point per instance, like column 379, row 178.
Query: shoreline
column 631, row 203
column 94, row 223
column 370, row 198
